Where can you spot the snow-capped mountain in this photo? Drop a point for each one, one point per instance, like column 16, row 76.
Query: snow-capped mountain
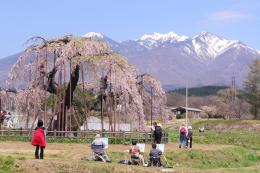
column 204, row 45
column 153, row 40
column 204, row 59
column 208, row 45
column 94, row 35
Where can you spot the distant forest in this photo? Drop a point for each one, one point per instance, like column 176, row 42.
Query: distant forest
column 199, row 91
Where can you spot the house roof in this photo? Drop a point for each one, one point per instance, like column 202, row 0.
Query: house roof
column 189, row 109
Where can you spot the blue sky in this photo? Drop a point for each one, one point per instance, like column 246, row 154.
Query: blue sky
column 126, row 19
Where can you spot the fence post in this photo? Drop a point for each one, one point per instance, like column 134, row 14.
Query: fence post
column 55, row 134
column 78, row 135
column 86, row 136
column 124, row 137
column 167, row 137
column 21, row 132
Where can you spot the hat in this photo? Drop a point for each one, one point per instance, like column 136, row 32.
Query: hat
column 40, row 123
column 97, row 136
column 190, row 127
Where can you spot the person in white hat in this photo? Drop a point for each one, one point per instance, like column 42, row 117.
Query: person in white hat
column 98, row 147
column 189, row 137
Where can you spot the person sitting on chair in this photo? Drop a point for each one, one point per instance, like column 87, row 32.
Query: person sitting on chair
column 155, row 156
column 98, row 147
column 136, row 154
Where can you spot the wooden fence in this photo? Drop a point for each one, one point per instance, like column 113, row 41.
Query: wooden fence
column 83, row 136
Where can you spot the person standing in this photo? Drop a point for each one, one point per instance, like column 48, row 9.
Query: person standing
column 183, row 133
column 189, row 137
column 38, row 140
column 157, row 133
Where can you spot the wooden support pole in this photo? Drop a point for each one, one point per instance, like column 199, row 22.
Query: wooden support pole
column 27, row 111
column 114, row 110
column 64, row 117
column 76, row 120
column 70, row 96
column 27, row 98
column 102, row 125
column 45, row 86
column 53, row 100
column 141, row 90
column 118, row 115
column 151, row 106
column 60, row 108
column 85, row 99
column 34, row 93
column 0, row 110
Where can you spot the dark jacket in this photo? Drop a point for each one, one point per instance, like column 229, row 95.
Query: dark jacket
column 157, row 133
column 155, row 153
column 189, row 135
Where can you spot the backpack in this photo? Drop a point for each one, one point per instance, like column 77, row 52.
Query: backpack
column 127, row 162
column 183, row 130
column 158, row 131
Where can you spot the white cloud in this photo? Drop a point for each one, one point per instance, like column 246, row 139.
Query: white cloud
column 228, row 16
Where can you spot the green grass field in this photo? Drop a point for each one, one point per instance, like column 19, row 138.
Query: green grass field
column 225, row 146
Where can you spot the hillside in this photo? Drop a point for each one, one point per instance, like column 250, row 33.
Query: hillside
column 199, row 91
column 5, row 67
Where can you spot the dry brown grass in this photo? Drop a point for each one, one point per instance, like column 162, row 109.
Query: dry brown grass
column 66, row 158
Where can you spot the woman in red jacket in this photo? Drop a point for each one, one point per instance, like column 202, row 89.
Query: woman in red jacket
column 39, row 140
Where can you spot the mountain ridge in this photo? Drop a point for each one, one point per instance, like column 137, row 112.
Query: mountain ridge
column 204, row 59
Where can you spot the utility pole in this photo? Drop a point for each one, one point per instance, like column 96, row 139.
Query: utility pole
column 233, row 88
column 186, row 106
column 0, row 103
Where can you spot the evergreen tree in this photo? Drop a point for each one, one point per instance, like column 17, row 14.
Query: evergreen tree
column 252, row 88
